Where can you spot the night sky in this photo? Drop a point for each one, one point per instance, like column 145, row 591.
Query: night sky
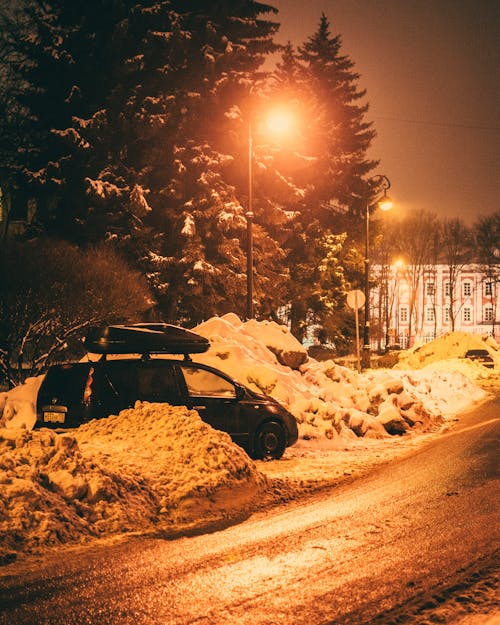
column 430, row 68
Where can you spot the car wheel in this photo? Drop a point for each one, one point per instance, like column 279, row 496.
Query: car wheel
column 270, row 441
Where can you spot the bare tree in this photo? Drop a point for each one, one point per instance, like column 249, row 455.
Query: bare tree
column 385, row 249
column 50, row 293
column 429, row 294
column 456, row 249
column 487, row 244
column 414, row 234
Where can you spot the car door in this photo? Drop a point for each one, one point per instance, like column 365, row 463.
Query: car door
column 215, row 398
column 116, row 387
column 157, row 382
column 123, row 382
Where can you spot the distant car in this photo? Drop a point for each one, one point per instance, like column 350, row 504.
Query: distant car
column 74, row 393
column 482, row 356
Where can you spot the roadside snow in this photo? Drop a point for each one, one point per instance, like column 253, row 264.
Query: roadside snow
column 451, row 346
column 156, row 468
column 328, row 400
column 18, row 406
column 147, row 469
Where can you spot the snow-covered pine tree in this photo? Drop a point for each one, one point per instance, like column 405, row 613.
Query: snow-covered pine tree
column 337, row 141
column 128, row 101
column 69, row 59
column 343, row 136
column 199, row 267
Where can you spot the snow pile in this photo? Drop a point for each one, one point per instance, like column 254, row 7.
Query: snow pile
column 255, row 338
column 328, row 400
column 18, row 406
column 151, row 468
column 452, row 347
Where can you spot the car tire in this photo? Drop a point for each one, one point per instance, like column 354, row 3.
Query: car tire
column 270, row 441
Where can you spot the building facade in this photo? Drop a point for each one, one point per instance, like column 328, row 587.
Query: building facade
column 415, row 305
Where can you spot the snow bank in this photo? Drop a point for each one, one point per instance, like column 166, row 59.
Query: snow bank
column 18, row 406
column 452, row 347
column 328, row 400
column 151, row 468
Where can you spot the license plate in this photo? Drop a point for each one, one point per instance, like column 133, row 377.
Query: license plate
column 54, row 417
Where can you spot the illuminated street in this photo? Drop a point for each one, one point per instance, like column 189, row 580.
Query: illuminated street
column 249, row 312
column 405, row 540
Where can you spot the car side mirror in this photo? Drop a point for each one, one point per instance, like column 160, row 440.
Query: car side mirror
column 240, row 392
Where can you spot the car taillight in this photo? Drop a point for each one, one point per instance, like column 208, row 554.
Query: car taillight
column 88, row 387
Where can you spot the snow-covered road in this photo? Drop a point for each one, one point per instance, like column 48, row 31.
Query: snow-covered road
column 401, row 540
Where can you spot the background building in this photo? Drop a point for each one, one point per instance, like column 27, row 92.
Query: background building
column 410, row 305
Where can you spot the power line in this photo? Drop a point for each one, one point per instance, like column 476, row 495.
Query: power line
column 443, row 124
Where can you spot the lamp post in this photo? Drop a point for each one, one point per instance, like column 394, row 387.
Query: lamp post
column 249, row 218
column 384, row 203
column 278, row 122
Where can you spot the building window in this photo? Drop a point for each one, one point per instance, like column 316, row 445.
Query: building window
column 430, row 314
column 467, row 289
column 446, row 314
column 467, row 315
column 430, row 290
column 488, row 288
column 447, row 289
column 403, row 314
column 488, row 313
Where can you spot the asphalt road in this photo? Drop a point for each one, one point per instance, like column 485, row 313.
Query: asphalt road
column 415, row 541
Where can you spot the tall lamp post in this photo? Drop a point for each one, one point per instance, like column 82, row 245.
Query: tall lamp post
column 278, row 122
column 384, row 203
column 249, row 217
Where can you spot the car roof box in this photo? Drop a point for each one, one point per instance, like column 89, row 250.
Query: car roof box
column 144, row 338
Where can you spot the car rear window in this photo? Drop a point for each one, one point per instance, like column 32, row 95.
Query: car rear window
column 66, row 381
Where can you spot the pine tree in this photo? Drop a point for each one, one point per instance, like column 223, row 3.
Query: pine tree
column 331, row 178
column 128, row 101
column 200, row 271
column 343, row 137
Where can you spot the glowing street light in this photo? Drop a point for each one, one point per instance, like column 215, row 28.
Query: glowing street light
column 385, row 204
column 279, row 121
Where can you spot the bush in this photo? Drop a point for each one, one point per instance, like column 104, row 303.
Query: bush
column 51, row 292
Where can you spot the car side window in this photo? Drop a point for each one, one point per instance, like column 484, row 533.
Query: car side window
column 202, row 383
column 157, row 384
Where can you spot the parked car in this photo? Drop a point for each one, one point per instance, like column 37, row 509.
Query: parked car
column 74, row 393
column 482, row 356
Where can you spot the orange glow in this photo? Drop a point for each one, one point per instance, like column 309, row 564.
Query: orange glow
column 385, row 203
column 280, row 121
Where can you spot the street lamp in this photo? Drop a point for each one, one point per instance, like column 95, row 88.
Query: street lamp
column 249, row 217
column 277, row 122
column 384, row 203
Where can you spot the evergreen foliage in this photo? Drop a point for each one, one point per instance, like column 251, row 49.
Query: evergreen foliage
column 136, row 124
column 331, row 185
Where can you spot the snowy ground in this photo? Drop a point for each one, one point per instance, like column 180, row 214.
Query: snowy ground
column 159, row 469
